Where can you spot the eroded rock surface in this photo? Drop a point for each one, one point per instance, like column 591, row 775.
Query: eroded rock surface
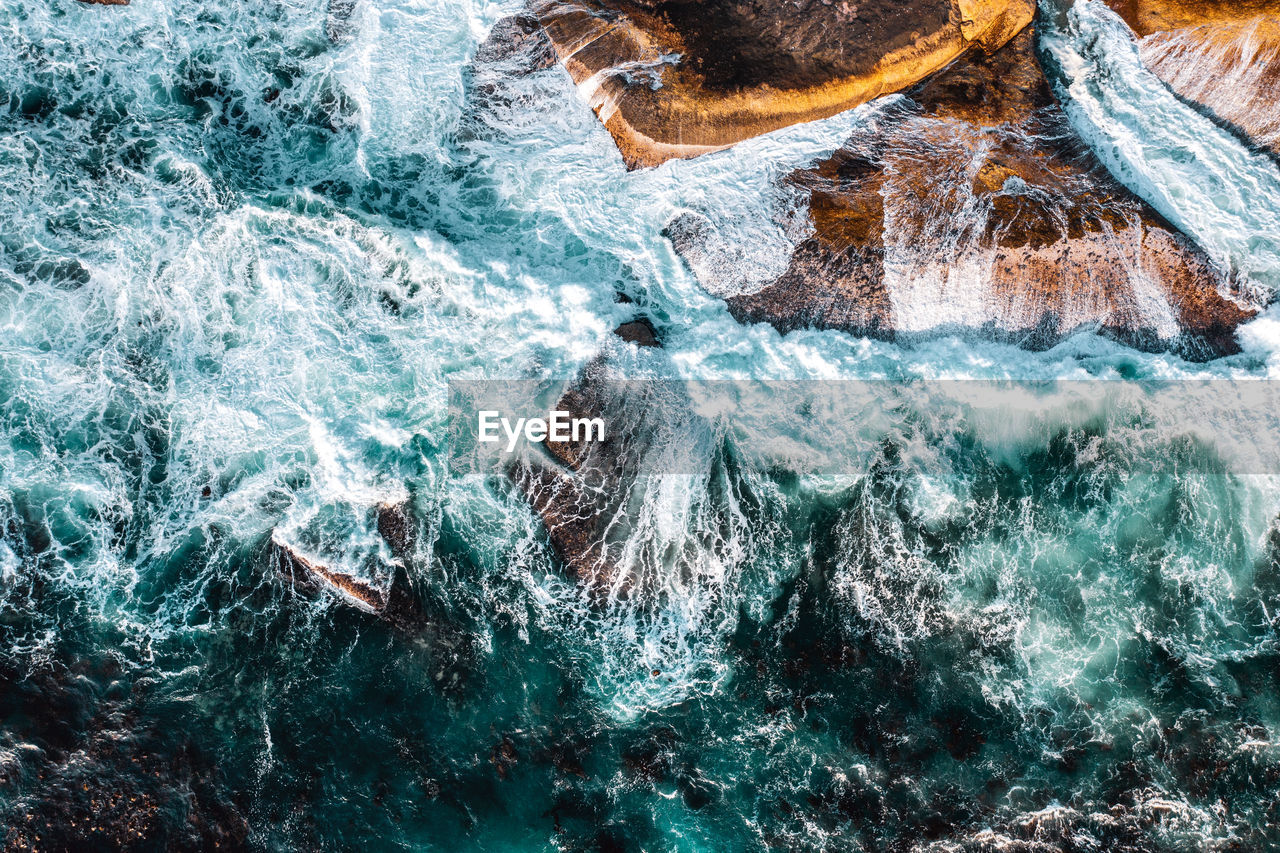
column 1224, row 56
column 677, row 78
column 974, row 209
column 394, row 599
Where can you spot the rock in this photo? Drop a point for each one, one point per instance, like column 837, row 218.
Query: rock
column 397, row 603
column 396, row 527
column 588, row 494
column 975, row 210
column 677, row 78
column 1222, row 56
column 496, row 79
column 310, row 577
column 92, row 770
column 639, row 331
column 575, row 521
column 579, row 488
column 337, row 21
column 404, row 609
column 520, row 39
column 503, row 757
column 1153, row 16
column 106, row 2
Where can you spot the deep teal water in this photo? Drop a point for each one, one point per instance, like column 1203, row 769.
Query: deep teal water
column 239, row 265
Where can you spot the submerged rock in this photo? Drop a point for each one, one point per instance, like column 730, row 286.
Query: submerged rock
column 338, row 27
column 1224, row 56
column 675, row 78
column 84, row 766
column 396, row 600
column 975, row 210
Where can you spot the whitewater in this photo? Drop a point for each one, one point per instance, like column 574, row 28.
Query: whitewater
column 242, row 260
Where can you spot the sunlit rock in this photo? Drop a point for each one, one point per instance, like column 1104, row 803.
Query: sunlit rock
column 975, row 210
column 1224, row 56
column 674, row 79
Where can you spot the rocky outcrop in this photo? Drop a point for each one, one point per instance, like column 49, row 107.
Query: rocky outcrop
column 582, row 490
column 495, row 79
column 677, row 78
column 640, row 332
column 519, row 39
column 1153, row 16
column 579, row 488
column 1224, row 56
column 311, row 576
column 396, row 598
column 975, row 210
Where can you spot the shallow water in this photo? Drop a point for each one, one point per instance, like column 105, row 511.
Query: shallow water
column 241, row 264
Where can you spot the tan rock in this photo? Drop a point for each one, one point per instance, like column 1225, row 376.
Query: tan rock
column 676, row 78
column 1223, row 56
column 578, row 490
column 311, row 576
column 1153, row 16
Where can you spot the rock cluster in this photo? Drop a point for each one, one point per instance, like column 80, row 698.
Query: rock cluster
column 975, row 210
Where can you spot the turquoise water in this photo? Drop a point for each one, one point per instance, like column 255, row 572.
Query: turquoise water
column 241, row 264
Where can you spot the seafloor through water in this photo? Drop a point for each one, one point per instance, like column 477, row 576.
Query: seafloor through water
column 244, row 250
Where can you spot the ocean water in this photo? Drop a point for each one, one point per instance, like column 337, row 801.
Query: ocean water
column 246, row 248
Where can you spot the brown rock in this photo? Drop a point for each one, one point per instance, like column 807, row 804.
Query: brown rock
column 1153, row 16
column 640, row 332
column 311, row 576
column 580, row 488
column 1223, row 56
column 395, row 526
column 975, row 209
column 677, row 78
column 106, row 2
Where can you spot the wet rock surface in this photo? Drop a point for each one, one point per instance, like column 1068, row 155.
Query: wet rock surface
column 90, row 773
column 311, row 576
column 395, row 599
column 677, row 79
column 579, row 488
column 519, row 39
column 338, row 24
column 1224, row 57
column 640, row 332
column 974, row 210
